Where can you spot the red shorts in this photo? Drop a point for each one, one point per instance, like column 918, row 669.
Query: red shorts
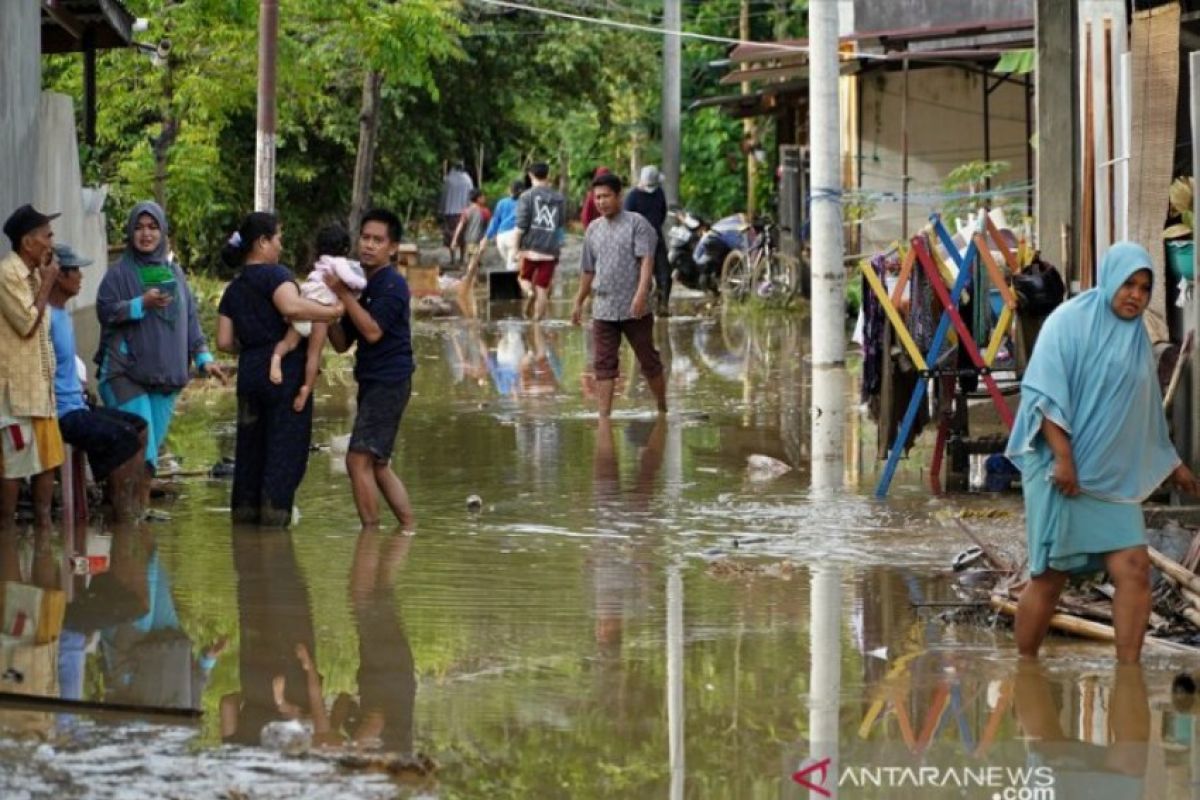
column 539, row 273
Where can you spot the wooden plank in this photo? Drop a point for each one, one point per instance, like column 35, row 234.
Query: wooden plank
column 897, row 322
column 1086, row 222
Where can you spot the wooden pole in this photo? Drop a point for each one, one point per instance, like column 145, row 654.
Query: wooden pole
column 264, row 165
column 1194, row 401
column 1057, row 102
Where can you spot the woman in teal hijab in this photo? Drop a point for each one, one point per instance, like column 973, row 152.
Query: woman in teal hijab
column 1091, row 442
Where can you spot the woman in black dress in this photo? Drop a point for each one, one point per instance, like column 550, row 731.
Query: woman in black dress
column 255, row 311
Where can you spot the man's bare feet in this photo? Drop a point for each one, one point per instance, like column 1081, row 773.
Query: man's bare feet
column 276, row 373
column 301, row 398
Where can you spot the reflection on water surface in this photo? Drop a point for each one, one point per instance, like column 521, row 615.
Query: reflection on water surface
column 656, row 607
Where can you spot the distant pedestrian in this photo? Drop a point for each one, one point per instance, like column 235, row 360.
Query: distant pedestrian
column 378, row 322
column 541, row 216
column 503, row 227
column 589, row 212
column 617, row 264
column 30, row 443
column 456, row 194
column 648, row 199
column 470, row 231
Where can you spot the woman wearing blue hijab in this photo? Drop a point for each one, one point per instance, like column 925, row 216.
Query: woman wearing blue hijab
column 1091, row 442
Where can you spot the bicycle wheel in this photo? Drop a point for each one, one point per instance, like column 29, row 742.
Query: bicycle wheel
column 735, row 276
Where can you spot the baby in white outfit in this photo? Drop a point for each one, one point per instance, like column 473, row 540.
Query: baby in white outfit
column 314, row 288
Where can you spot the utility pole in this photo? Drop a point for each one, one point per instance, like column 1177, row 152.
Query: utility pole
column 749, row 143
column 828, row 272
column 671, row 99
column 264, row 164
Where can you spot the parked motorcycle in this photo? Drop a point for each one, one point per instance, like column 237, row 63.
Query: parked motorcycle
column 682, row 238
column 697, row 250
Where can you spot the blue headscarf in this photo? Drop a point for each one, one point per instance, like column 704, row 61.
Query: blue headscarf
column 1093, row 375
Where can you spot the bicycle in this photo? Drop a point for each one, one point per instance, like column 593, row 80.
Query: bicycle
column 762, row 269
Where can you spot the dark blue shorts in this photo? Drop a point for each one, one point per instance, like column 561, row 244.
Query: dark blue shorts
column 110, row 437
column 380, row 408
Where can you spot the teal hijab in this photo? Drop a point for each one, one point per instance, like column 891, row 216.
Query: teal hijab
column 1093, row 375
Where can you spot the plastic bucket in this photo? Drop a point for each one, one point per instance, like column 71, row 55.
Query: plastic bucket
column 1180, row 258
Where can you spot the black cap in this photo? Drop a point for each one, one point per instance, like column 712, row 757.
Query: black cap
column 22, row 221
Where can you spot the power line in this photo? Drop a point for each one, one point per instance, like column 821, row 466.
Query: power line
column 657, row 31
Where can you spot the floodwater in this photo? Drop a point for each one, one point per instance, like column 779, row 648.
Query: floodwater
column 639, row 611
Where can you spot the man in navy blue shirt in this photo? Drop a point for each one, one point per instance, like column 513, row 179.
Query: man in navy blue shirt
column 377, row 321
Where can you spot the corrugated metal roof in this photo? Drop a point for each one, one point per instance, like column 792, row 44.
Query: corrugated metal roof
column 65, row 23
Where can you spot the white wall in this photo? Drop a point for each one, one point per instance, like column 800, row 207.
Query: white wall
column 945, row 115
column 57, row 188
column 20, row 85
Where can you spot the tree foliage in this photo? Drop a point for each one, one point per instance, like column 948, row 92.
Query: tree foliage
column 494, row 87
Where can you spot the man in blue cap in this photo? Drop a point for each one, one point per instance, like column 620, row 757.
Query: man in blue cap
column 114, row 440
column 30, row 443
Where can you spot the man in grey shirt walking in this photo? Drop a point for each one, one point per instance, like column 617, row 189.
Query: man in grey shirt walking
column 617, row 267
column 541, row 215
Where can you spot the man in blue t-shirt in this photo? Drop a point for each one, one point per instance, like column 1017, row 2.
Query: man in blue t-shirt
column 114, row 440
column 377, row 322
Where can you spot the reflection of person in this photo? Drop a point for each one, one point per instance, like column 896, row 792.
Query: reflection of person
column 272, row 437
column 617, row 266
column 383, row 713
column 1081, row 769
column 540, row 370
column 150, row 328
column 1091, row 442
column 150, row 660
column 32, row 445
column 276, row 638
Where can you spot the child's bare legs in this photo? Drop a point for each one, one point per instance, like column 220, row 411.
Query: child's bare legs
column 286, row 345
column 312, row 364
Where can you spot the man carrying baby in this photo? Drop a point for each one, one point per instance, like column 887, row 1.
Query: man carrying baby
column 378, row 322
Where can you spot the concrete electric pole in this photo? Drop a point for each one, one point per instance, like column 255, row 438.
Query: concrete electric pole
column 828, row 271
column 671, row 99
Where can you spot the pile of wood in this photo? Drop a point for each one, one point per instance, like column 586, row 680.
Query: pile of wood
column 1085, row 609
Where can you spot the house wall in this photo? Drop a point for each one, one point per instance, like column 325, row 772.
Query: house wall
column 57, row 187
column 21, row 77
column 873, row 15
column 945, row 130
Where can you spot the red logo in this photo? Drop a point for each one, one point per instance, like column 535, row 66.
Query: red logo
column 800, row 776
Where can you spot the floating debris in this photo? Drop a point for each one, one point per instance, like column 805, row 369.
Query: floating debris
column 474, row 504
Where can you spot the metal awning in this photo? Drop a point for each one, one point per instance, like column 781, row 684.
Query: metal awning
column 74, row 26
column 770, row 66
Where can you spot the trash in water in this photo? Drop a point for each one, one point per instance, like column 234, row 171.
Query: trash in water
column 222, row 469
column 765, row 468
column 745, row 540
column 474, row 503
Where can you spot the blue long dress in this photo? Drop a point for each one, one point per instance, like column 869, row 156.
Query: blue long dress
column 1092, row 374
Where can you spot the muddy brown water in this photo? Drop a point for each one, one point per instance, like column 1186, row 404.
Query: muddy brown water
column 639, row 612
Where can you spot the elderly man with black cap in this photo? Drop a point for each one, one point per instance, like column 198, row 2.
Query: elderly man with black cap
column 114, row 440
column 649, row 200
column 30, row 443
